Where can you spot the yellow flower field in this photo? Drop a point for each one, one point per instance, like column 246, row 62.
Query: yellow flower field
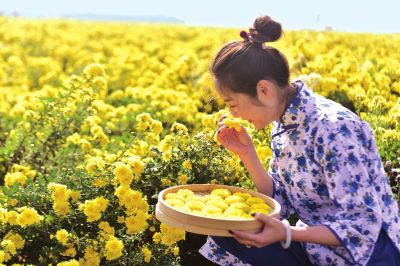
column 97, row 118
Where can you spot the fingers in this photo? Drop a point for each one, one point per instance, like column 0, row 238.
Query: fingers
column 221, row 126
column 248, row 243
column 245, row 237
column 263, row 218
column 222, row 118
column 221, row 131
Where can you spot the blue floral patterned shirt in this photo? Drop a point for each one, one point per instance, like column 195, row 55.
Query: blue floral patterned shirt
column 327, row 170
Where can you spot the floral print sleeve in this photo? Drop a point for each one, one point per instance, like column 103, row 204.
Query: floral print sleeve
column 279, row 193
column 344, row 155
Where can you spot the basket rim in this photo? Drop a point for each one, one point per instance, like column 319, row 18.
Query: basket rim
column 274, row 212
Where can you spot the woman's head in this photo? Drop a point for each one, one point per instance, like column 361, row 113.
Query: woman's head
column 248, row 68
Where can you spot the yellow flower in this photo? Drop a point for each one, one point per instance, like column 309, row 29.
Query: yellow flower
column 211, row 210
column 261, row 206
column 182, row 179
column 222, row 192
column 74, row 195
column 128, row 197
column 165, row 182
column 194, row 205
column 94, row 70
column 17, row 239
column 136, row 223
column 9, row 246
column 175, row 202
column 187, row 164
column 11, row 217
column 233, row 213
column 94, row 208
column 157, row 237
column 100, row 85
column 59, row 191
column 143, row 205
column 137, row 166
column 91, row 167
column 13, row 202
column 120, row 219
column 244, row 195
column 91, row 258
column 253, row 200
column 175, row 251
column 173, row 195
column 146, row 254
column 61, row 207
column 171, row 235
column 166, row 156
column 233, row 198
column 105, row 226
column 218, row 203
column 212, row 197
column 123, row 174
column 12, row 178
column 232, row 123
column 168, row 239
column 2, row 256
column 113, row 248
column 68, row 263
column 240, row 205
column 185, row 193
column 99, row 182
column 179, row 128
column 28, row 216
column 85, row 145
column 157, row 127
column 62, row 236
column 259, row 210
column 69, row 252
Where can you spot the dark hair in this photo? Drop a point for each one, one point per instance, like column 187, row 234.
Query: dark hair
column 240, row 65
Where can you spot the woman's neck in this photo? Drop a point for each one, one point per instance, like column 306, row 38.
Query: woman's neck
column 288, row 95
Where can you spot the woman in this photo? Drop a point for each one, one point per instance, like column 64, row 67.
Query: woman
column 325, row 169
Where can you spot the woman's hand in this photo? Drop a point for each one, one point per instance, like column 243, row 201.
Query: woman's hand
column 239, row 143
column 273, row 231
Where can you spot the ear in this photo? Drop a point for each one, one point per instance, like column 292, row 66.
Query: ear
column 264, row 90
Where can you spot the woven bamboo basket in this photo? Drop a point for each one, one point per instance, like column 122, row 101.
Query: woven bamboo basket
column 195, row 223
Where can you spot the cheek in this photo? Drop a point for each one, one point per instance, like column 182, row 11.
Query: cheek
column 234, row 113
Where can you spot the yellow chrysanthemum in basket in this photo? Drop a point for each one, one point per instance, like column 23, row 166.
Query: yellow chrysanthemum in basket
column 222, row 192
column 175, row 202
column 233, row 198
column 185, row 192
column 218, row 203
column 195, row 205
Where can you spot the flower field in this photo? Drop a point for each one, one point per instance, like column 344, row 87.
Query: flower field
column 97, row 118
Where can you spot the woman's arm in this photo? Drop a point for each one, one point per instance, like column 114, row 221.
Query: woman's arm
column 274, row 231
column 240, row 143
column 262, row 180
column 318, row 234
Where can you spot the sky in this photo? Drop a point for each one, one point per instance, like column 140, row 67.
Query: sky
column 378, row 16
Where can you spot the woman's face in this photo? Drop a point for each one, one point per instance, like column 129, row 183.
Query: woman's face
column 260, row 110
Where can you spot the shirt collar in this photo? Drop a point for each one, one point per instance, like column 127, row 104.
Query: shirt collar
column 293, row 115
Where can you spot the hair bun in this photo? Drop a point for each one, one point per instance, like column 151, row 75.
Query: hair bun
column 265, row 29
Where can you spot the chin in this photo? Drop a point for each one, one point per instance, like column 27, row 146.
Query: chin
column 260, row 126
